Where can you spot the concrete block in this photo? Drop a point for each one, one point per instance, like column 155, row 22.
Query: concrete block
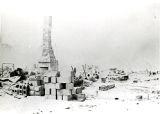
column 59, row 97
column 58, row 92
column 25, row 93
column 47, row 80
column 37, row 88
column 20, row 86
column 76, row 90
column 34, row 78
column 67, row 97
column 64, row 79
column 81, row 97
column 31, row 87
column 20, row 92
column 60, row 85
column 48, row 91
column 51, row 73
column 69, row 86
column 39, row 93
column 50, row 85
column 50, row 97
column 24, row 87
column 49, row 88
column 35, row 83
column 32, row 93
column 17, row 92
column 53, row 79
column 53, row 91
column 64, row 92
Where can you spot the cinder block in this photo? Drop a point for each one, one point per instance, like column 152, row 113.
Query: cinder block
column 35, row 83
column 58, row 92
column 50, row 97
column 17, row 91
column 50, row 85
column 24, row 87
column 67, row 97
column 51, row 73
column 20, row 86
column 20, row 92
column 53, row 79
column 64, row 92
column 60, row 85
column 25, row 93
column 64, row 79
column 59, row 97
column 81, row 97
column 38, row 93
column 37, row 88
column 34, row 78
column 53, row 91
column 48, row 91
column 32, row 93
column 49, row 88
column 69, row 86
column 76, row 90
column 47, row 80
column 31, row 87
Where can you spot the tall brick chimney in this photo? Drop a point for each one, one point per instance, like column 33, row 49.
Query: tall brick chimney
column 48, row 60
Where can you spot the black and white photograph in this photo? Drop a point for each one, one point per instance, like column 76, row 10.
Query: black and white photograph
column 79, row 56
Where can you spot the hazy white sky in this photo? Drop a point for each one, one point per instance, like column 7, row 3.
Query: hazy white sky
column 109, row 33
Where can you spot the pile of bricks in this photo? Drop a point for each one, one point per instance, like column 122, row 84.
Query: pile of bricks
column 19, row 89
column 36, row 86
column 61, row 87
column 106, row 87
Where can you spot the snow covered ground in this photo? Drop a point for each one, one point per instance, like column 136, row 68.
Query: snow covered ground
column 97, row 101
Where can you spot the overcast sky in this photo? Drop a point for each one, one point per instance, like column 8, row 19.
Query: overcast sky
column 109, row 33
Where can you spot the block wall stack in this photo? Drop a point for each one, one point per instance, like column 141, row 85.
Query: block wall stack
column 36, row 86
column 19, row 89
column 61, row 88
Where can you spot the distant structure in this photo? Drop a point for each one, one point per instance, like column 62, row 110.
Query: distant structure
column 48, row 60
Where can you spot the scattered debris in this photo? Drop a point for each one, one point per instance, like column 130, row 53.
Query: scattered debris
column 103, row 80
column 68, row 108
column 139, row 97
column 87, row 83
column 116, row 98
column 135, row 81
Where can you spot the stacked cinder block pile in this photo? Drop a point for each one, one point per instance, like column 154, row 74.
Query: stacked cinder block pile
column 61, row 87
column 20, row 88
column 36, row 86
